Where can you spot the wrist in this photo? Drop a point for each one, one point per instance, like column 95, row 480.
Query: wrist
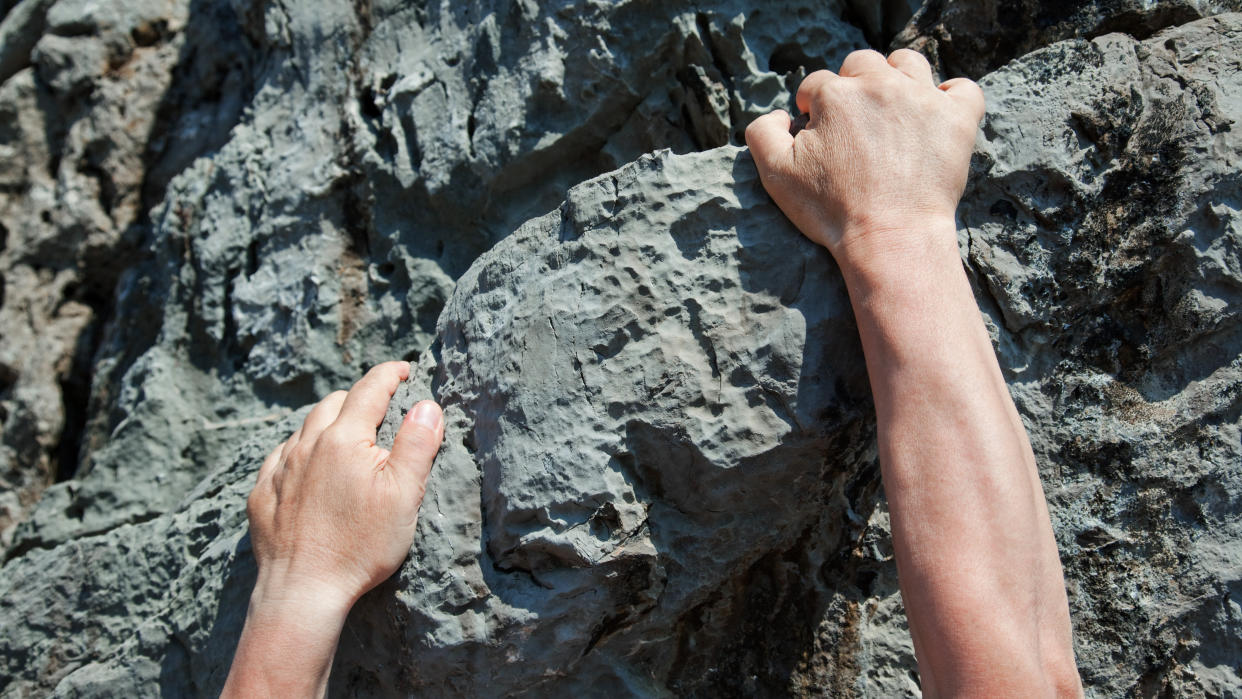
column 282, row 596
column 898, row 253
column 290, row 636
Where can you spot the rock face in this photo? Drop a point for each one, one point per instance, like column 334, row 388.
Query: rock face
column 1103, row 225
column 100, row 104
column 975, row 37
column 360, row 157
column 659, row 475
column 634, row 382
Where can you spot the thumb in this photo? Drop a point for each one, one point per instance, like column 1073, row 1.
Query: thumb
column 417, row 441
column 769, row 140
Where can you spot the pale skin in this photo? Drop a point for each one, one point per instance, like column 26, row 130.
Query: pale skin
column 332, row 515
column 875, row 177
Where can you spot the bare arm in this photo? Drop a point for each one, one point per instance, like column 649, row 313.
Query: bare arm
column 331, row 516
column 876, row 177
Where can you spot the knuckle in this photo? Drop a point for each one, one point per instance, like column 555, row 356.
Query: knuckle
column 815, row 86
column 814, row 81
column 910, row 55
column 297, row 454
column 336, row 437
column 425, row 434
column 257, row 499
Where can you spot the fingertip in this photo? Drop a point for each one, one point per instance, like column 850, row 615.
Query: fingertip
column 768, row 137
column 366, row 403
column 810, row 88
column 396, row 367
column 418, row 440
column 968, row 91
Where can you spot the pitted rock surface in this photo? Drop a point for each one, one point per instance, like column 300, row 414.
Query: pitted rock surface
column 635, row 385
column 313, row 183
column 659, row 476
column 975, row 37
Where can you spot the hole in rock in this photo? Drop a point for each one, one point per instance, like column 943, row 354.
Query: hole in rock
column 787, row 58
column 367, row 104
column 252, row 258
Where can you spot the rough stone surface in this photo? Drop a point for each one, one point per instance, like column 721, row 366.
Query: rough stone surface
column 659, row 476
column 633, row 383
column 1104, row 226
column 380, row 148
column 94, row 114
column 974, row 37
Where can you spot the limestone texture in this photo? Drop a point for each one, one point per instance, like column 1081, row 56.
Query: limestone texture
column 358, row 159
column 659, row 475
column 974, row 37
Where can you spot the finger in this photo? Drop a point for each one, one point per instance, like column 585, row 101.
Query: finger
column 417, row 441
column 293, row 439
column 912, row 63
column 367, row 403
column 865, row 62
column 812, row 89
column 769, row 140
column 323, row 414
column 270, row 464
column 968, row 94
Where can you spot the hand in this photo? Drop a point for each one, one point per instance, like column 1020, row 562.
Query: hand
column 332, row 514
column 884, row 153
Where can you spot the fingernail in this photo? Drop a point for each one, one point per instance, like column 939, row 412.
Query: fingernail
column 426, row 414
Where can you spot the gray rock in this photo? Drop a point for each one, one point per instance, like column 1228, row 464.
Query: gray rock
column 975, row 37
column 1103, row 223
column 634, row 385
column 79, row 107
column 659, row 475
column 18, row 33
column 160, row 604
column 324, row 231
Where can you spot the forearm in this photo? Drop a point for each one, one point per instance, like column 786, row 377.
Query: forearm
column 288, row 642
column 976, row 558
